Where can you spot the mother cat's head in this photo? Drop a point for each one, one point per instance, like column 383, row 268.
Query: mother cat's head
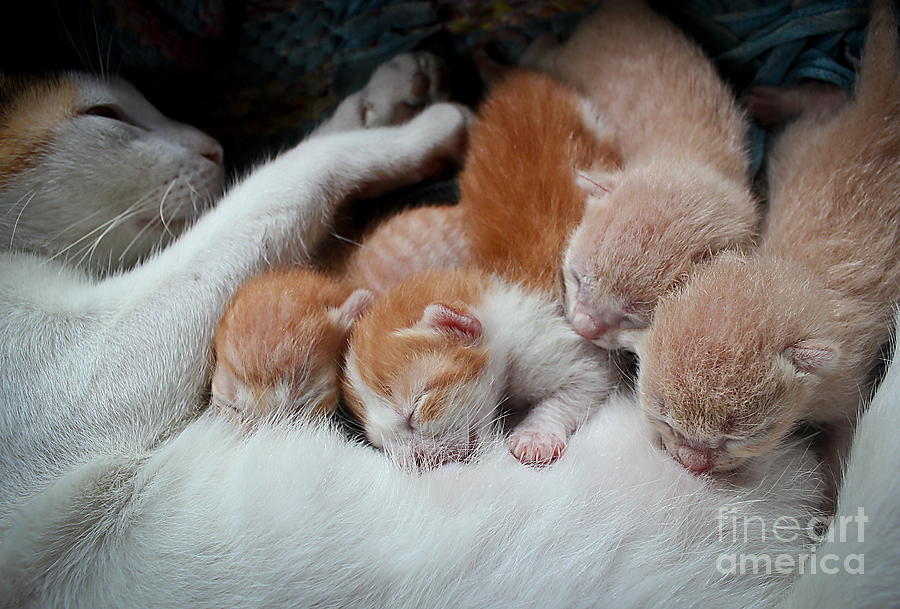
column 92, row 172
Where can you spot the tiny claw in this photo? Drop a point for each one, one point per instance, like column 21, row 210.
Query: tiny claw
column 535, row 448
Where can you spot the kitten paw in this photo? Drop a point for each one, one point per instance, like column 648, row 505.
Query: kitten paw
column 766, row 105
column 536, row 448
column 771, row 105
column 401, row 88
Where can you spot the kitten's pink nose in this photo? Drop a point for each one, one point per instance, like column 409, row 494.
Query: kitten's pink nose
column 695, row 459
column 592, row 326
column 585, row 324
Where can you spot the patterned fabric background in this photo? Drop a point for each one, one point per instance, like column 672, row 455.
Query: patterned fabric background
column 260, row 73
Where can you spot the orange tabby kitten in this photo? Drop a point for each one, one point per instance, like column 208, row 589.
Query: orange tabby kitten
column 430, row 361
column 279, row 344
column 413, row 240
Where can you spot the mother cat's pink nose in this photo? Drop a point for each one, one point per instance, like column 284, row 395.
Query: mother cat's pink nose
column 211, row 149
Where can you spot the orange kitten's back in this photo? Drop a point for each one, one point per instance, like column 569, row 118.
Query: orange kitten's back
column 519, row 183
column 412, row 241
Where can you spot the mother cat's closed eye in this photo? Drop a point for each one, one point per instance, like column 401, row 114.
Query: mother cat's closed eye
column 92, row 172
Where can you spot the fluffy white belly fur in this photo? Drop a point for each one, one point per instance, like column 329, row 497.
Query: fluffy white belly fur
column 300, row 517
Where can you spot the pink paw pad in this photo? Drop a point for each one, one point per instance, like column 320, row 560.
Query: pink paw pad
column 536, row 448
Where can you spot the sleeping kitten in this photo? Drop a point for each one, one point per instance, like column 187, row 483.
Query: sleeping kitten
column 756, row 344
column 430, row 361
column 279, row 345
column 683, row 194
column 122, row 361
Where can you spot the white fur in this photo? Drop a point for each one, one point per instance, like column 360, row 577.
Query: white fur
column 534, row 359
column 108, row 191
column 113, row 366
column 299, row 517
column 547, row 364
column 871, row 484
column 375, row 104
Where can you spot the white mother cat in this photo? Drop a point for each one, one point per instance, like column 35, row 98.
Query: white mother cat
column 107, row 502
column 94, row 366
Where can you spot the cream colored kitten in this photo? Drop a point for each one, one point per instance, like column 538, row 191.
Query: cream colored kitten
column 683, row 194
column 756, row 344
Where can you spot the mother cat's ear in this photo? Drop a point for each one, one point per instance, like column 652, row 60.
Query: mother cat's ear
column 813, row 356
column 453, row 321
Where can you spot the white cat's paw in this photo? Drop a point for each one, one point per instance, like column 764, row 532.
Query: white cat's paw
column 426, row 147
column 536, row 447
column 401, row 88
column 445, row 127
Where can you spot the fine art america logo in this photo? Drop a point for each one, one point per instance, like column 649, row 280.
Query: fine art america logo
column 736, row 527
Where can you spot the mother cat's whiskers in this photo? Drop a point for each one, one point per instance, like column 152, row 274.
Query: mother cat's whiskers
column 162, row 217
column 19, row 216
column 348, row 240
column 128, row 213
column 94, row 230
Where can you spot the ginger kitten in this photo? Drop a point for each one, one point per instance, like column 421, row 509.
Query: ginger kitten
column 279, row 344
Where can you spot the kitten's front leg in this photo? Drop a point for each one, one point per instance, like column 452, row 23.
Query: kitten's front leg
column 564, row 379
column 541, row 437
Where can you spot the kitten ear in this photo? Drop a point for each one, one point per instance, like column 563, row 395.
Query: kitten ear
column 225, row 385
column 595, row 184
column 355, row 305
column 449, row 319
column 812, row 356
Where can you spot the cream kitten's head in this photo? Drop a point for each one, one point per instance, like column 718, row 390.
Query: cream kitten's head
column 642, row 232
column 92, row 172
column 418, row 374
column 731, row 361
column 279, row 345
